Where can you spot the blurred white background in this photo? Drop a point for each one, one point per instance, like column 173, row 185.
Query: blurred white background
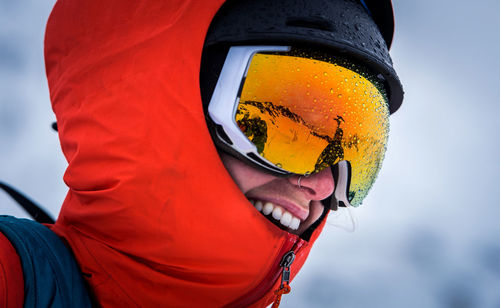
column 427, row 234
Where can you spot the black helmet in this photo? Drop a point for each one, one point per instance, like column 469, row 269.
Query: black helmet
column 357, row 29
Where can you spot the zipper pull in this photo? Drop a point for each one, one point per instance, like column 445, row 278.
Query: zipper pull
column 284, row 288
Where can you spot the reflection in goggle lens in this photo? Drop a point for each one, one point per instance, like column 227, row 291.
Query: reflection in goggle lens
column 305, row 114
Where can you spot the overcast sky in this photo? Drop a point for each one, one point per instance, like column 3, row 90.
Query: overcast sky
column 427, row 235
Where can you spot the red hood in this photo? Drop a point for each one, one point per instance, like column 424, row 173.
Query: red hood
column 151, row 214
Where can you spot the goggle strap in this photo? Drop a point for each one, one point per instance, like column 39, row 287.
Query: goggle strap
column 342, row 177
column 334, row 203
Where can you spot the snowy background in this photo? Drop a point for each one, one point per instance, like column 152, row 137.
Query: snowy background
column 428, row 234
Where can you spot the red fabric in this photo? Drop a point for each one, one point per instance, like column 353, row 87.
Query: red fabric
column 11, row 276
column 151, row 214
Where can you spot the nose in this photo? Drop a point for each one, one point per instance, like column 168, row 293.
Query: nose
column 316, row 186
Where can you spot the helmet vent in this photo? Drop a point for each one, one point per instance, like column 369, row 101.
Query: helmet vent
column 311, row 22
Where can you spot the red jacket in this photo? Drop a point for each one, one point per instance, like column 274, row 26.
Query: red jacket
column 152, row 216
column 11, row 276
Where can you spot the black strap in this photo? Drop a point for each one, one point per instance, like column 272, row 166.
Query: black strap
column 51, row 275
column 29, row 206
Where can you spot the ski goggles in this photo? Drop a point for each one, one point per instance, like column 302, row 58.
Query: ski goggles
column 294, row 111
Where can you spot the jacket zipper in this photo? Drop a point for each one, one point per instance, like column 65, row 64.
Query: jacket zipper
column 284, row 287
column 292, row 245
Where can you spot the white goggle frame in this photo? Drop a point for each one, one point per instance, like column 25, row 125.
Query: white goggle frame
column 224, row 102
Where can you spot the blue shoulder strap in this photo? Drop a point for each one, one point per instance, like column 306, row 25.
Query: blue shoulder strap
column 51, row 275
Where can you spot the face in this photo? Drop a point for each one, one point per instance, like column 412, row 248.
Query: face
column 290, row 206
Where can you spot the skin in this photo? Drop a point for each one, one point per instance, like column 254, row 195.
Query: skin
column 283, row 191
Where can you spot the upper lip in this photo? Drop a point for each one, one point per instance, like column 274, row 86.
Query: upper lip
column 292, row 207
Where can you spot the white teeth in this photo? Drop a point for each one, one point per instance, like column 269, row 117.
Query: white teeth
column 268, row 208
column 277, row 213
column 294, row 224
column 286, row 219
column 258, row 205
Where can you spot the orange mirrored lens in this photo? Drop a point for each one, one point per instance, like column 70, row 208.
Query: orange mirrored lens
column 304, row 115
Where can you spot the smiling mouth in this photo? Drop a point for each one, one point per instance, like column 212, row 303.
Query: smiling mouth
column 276, row 214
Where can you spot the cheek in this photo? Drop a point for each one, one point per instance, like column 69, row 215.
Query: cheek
column 245, row 176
